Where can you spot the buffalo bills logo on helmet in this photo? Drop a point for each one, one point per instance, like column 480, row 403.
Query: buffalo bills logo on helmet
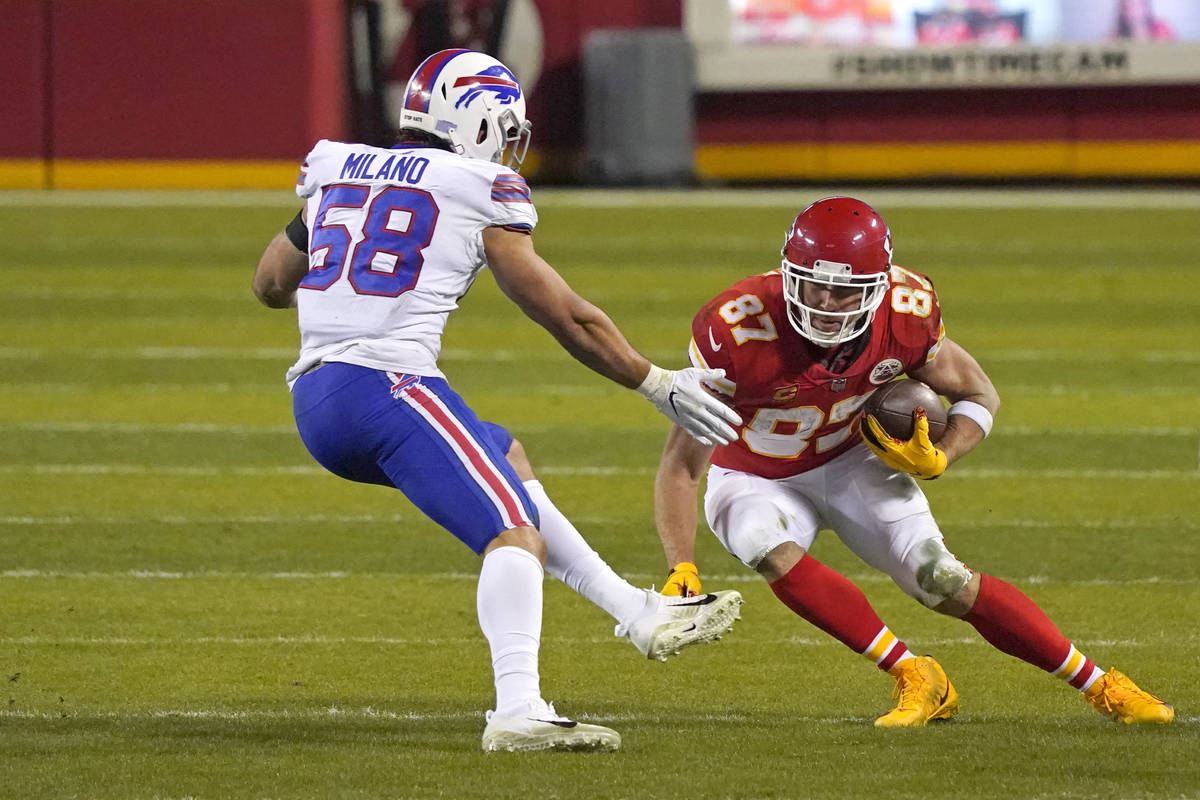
column 497, row 80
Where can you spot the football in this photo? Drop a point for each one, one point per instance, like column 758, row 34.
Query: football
column 893, row 404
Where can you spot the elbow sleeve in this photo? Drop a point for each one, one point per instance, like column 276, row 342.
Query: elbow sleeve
column 297, row 233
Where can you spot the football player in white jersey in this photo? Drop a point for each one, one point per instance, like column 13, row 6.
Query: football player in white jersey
column 387, row 242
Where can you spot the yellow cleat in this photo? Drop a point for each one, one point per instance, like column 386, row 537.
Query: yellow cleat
column 924, row 692
column 1120, row 698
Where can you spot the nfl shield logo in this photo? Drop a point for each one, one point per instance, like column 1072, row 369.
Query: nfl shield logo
column 837, row 385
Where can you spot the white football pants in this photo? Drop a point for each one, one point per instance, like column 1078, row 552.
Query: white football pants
column 880, row 514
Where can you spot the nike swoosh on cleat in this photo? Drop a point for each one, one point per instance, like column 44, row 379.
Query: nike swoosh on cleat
column 562, row 723
column 702, row 600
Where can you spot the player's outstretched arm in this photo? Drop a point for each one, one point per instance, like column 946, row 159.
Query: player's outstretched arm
column 676, row 484
column 281, row 268
column 956, row 375
column 589, row 335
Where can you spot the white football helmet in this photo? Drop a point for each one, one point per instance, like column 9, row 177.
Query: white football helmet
column 471, row 100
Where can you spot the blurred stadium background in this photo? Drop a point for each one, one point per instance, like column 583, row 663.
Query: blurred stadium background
column 190, row 607
column 226, row 93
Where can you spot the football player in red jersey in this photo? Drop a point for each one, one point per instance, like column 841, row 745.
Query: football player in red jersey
column 803, row 347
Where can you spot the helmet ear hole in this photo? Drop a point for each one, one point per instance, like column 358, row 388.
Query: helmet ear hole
column 483, row 132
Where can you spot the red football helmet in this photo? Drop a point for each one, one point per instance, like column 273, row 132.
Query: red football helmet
column 839, row 248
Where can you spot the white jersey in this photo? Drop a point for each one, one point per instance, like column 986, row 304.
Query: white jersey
column 395, row 240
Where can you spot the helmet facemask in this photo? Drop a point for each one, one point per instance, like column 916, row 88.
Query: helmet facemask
column 838, row 278
column 502, row 138
column 840, row 249
column 515, row 140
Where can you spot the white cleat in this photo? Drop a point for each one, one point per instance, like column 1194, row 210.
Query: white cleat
column 666, row 625
column 539, row 727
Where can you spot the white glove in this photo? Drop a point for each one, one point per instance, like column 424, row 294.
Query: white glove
column 680, row 395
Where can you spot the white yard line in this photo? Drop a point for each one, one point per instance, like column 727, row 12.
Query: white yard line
column 437, row 641
column 95, row 293
column 148, row 353
column 313, row 470
column 1078, row 474
column 584, row 520
column 137, row 428
column 200, row 519
column 1076, row 390
column 161, row 641
column 90, row 389
column 153, row 469
column 10, row 386
column 65, row 198
column 164, row 575
column 950, row 198
column 636, row 578
column 1103, row 430
column 1168, row 198
column 233, row 714
column 337, row 713
column 194, row 353
column 591, row 389
column 1078, row 357
column 189, row 352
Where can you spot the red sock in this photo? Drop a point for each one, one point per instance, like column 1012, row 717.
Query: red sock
column 1013, row 624
column 835, row 605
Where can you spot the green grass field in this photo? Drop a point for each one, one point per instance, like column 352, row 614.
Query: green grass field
column 190, row 607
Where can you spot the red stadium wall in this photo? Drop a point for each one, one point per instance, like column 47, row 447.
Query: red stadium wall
column 1080, row 132
column 145, row 93
column 228, row 93
column 24, row 120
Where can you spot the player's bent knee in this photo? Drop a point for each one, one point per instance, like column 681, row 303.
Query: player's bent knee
column 519, row 461
column 960, row 604
column 779, row 562
column 939, row 573
column 753, row 538
column 523, row 537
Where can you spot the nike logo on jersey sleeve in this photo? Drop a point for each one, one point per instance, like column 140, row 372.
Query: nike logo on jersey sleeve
column 713, row 342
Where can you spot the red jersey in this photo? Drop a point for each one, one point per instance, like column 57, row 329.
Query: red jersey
column 798, row 414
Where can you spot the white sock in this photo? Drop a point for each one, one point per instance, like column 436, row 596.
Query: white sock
column 509, row 604
column 572, row 560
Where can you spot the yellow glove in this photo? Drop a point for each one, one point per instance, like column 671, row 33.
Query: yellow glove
column 918, row 456
column 684, row 580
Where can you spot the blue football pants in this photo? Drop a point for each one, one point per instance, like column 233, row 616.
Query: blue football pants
column 417, row 435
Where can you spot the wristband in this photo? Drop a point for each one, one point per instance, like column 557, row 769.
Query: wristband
column 657, row 381
column 974, row 412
